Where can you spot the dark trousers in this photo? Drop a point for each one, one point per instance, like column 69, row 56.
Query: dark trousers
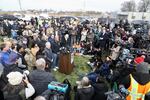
column 73, row 40
column 1, row 95
column 78, row 38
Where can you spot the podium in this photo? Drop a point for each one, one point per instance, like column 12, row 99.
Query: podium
column 65, row 63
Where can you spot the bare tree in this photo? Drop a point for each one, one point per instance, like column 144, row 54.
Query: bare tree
column 144, row 6
column 128, row 6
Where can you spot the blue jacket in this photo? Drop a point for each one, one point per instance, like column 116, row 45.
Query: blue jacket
column 104, row 70
column 13, row 57
column 4, row 58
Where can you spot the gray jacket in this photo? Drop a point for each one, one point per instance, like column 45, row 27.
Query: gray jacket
column 40, row 80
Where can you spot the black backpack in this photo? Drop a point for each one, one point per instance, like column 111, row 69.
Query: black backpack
column 67, row 94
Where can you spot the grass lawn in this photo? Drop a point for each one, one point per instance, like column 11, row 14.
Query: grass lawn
column 1, row 39
column 80, row 69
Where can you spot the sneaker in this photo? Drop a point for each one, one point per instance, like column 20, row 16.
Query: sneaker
column 81, row 54
column 54, row 69
column 88, row 62
column 78, row 82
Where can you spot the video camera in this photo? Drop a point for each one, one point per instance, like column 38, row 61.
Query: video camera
column 57, row 86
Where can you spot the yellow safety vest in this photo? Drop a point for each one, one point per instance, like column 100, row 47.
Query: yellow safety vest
column 136, row 90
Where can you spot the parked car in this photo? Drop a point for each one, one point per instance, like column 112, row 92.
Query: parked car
column 8, row 17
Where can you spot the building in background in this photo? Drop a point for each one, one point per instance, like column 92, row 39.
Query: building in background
column 131, row 16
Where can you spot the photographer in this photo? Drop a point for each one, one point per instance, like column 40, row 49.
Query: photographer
column 18, row 87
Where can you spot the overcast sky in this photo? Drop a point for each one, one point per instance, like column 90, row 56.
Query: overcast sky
column 95, row 5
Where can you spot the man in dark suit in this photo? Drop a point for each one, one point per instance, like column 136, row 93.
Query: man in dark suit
column 7, row 28
column 103, row 39
column 66, row 41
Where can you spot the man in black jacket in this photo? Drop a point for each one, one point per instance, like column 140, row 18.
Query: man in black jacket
column 39, row 78
column 84, row 91
column 65, row 42
column 7, row 28
column 100, row 88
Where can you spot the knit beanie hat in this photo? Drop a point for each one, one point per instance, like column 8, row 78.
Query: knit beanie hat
column 142, row 68
column 15, row 78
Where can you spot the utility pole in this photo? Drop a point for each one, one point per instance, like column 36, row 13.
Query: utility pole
column 84, row 7
column 20, row 5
